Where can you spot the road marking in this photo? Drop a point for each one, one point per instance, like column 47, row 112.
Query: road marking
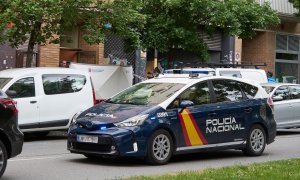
column 35, row 158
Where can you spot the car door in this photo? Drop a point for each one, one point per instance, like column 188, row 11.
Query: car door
column 27, row 103
column 283, row 112
column 227, row 120
column 295, row 103
column 191, row 108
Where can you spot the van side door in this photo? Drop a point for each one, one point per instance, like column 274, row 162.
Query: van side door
column 27, row 102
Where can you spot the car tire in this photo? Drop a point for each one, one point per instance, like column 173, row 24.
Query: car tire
column 256, row 141
column 3, row 158
column 159, row 148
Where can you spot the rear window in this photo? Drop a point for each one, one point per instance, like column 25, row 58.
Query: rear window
column 63, row 83
column 4, row 81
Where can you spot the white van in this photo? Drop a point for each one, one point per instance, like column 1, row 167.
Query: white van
column 47, row 98
column 257, row 75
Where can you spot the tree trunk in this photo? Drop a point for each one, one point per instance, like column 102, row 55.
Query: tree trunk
column 32, row 41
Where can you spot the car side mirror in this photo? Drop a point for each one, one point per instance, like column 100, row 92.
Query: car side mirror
column 277, row 98
column 11, row 93
column 186, row 103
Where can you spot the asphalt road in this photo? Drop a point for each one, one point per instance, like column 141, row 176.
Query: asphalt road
column 47, row 159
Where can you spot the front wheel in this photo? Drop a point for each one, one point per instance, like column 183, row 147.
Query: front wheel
column 160, row 147
column 3, row 158
column 256, row 141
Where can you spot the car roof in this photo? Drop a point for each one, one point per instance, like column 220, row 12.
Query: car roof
column 186, row 79
column 17, row 72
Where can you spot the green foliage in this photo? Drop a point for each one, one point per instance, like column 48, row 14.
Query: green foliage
column 296, row 4
column 176, row 23
column 145, row 24
column 287, row 169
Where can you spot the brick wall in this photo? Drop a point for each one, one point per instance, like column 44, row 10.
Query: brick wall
column 260, row 49
column 49, row 55
column 98, row 48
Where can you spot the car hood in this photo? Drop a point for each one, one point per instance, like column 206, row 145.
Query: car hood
column 108, row 113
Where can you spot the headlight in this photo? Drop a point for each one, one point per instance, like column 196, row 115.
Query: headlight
column 133, row 121
column 75, row 117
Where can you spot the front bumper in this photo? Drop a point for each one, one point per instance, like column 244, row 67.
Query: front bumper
column 113, row 141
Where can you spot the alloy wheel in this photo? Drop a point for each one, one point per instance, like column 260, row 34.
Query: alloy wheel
column 161, row 147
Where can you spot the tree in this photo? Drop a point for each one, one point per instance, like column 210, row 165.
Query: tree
column 296, row 4
column 176, row 23
column 44, row 21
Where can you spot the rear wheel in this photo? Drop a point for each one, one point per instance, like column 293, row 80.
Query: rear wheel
column 256, row 141
column 3, row 158
column 160, row 147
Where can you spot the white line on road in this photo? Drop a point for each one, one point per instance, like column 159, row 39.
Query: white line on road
column 30, row 159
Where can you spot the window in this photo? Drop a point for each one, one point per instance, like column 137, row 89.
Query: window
column 63, row 83
column 295, row 92
column 287, row 58
column 282, row 91
column 249, row 90
column 198, row 94
column 227, row 90
column 24, row 88
column 4, row 81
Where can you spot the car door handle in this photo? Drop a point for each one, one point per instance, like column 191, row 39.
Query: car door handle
column 212, row 114
column 33, row 102
column 248, row 110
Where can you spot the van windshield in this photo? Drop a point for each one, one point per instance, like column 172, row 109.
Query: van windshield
column 146, row 93
column 4, row 81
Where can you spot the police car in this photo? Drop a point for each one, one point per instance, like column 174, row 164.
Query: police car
column 174, row 114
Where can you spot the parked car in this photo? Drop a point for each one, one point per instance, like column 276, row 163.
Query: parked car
column 175, row 114
column 47, row 98
column 286, row 99
column 11, row 138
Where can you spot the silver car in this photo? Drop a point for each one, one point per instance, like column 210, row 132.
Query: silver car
column 286, row 98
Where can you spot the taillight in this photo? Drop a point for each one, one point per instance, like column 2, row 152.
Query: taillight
column 8, row 103
column 270, row 103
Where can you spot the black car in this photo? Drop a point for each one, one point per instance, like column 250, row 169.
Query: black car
column 11, row 138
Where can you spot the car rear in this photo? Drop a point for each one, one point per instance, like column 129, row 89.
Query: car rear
column 10, row 132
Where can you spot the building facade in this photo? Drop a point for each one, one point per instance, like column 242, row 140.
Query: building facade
column 279, row 47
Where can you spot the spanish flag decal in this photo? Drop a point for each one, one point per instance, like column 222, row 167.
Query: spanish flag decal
column 191, row 132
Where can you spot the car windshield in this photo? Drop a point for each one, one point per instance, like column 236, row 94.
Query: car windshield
column 269, row 89
column 146, row 93
column 4, row 81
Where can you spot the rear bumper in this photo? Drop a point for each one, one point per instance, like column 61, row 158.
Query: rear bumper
column 272, row 131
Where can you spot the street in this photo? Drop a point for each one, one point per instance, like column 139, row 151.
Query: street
column 47, row 158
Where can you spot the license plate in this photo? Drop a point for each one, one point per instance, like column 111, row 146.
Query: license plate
column 87, row 139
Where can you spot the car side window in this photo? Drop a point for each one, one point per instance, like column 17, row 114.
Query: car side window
column 295, row 92
column 226, row 90
column 198, row 94
column 249, row 90
column 23, row 87
column 63, row 83
column 282, row 91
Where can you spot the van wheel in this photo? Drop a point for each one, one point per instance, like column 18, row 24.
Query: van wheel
column 160, row 147
column 41, row 133
column 3, row 158
column 256, row 141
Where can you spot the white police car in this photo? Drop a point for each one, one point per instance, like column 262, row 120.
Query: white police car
column 174, row 114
